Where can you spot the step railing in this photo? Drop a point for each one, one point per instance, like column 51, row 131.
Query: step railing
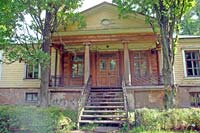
column 83, row 99
column 125, row 98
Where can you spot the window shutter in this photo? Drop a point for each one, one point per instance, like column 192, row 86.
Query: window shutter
column 39, row 72
column 25, row 70
column 1, row 58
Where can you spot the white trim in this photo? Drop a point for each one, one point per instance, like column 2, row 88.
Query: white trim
column 25, row 72
column 39, row 72
column 1, row 58
column 184, row 63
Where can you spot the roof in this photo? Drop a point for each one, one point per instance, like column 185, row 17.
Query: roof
column 109, row 4
column 188, row 37
column 98, row 5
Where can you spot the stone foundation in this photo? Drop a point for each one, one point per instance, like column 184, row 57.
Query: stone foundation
column 16, row 96
column 138, row 97
column 150, row 97
column 62, row 98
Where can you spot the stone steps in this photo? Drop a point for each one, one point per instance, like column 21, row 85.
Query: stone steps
column 104, row 106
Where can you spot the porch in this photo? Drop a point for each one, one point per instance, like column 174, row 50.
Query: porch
column 107, row 59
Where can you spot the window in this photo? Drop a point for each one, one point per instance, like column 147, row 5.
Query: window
column 32, row 72
column 112, row 65
column 77, row 66
column 140, row 64
column 103, row 65
column 31, row 96
column 1, row 57
column 195, row 99
column 192, row 61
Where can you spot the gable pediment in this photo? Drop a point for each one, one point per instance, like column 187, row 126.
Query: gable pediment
column 104, row 18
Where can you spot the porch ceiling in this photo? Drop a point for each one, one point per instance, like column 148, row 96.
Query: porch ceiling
column 102, row 38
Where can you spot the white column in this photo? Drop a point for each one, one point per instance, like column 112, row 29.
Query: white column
column 160, row 60
column 127, row 70
column 87, row 63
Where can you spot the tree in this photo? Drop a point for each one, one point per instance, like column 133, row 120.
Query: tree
column 164, row 15
column 190, row 25
column 31, row 40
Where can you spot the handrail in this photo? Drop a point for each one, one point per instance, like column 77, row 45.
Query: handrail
column 125, row 97
column 83, row 99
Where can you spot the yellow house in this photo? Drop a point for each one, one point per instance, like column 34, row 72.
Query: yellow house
column 119, row 60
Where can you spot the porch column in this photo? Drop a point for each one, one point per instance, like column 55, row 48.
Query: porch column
column 87, row 63
column 127, row 70
column 160, row 61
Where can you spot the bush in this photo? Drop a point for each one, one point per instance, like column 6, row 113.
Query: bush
column 172, row 119
column 36, row 119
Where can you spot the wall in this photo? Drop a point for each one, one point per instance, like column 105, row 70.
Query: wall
column 145, row 97
column 15, row 96
column 181, row 79
column 13, row 76
column 64, row 98
column 152, row 97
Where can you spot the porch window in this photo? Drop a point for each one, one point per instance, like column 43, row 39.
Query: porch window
column 140, row 64
column 77, row 66
column 192, row 60
column 32, row 71
column 195, row 99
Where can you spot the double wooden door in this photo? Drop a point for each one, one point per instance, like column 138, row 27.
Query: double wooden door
column 108, row 70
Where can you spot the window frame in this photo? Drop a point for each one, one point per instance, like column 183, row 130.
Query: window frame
column 77, row 63
column 194, row 99
column 26, row 72
column 185, row 62
column 32, row 95
column 140, row 60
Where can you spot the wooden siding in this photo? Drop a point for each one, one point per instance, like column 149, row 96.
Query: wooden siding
column 13, row 76
column 181, row 79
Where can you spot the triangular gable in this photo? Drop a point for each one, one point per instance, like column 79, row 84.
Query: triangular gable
column 104, row 18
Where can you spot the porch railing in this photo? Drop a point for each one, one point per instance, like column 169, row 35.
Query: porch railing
column 67, row 80
column 83, row 98
column 147, row 80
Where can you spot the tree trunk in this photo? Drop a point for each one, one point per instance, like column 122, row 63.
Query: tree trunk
column 168, row 70
column 45, row 71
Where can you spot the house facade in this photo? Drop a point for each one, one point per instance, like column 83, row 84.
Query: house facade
column 111, row 53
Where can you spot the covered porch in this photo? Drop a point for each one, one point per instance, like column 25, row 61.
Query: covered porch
column 107, row 59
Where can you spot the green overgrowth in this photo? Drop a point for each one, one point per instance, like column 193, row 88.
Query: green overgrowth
column 37, row 120
column 172, row 119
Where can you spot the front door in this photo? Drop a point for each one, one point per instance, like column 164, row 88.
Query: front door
column 108, row 70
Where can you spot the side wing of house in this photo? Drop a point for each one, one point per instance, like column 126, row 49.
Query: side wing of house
column 187, row 71
column 20, row 82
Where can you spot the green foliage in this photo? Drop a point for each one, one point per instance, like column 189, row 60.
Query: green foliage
column 37, row 120
column 89, row 127
column 172, row 119
column 190, row 25
column 22, row 27
column 124, row 128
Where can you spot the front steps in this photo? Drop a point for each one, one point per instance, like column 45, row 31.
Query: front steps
column 104, row 107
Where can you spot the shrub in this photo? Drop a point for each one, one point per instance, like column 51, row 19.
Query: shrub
column 36, row 119
column 172, row 119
